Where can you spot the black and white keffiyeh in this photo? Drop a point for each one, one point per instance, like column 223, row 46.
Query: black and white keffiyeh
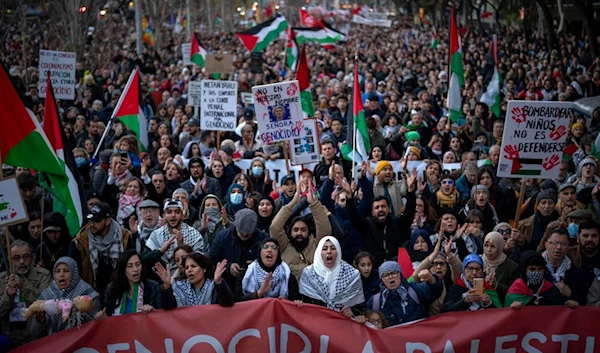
column 190, row 235
column 559, row 273
column 110, row 245
column 186, row 295
column 338, row 286
column 255, row 277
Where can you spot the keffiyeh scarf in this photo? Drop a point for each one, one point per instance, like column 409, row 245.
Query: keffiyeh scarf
column 186, row 295
column 255, row 277
column 110, row 245
column 128, row 205
column 402, row 292
column 347, row 289
column 138, row 300
column 190, row 237
column 559, row 273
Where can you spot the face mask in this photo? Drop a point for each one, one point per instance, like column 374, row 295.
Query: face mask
column 573, row 230
column 257, row 171
column 235, row 199
column 535, row 278
column 80, row 161
column 213, row 213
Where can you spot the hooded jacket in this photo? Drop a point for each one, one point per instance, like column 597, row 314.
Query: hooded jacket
column 209, row 237
column 50, row 251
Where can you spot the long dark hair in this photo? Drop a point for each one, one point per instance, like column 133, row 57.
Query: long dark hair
column 203, row 261
column 120, row 283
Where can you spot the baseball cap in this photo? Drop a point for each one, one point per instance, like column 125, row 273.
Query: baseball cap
column 99, row 212
column 286, row 178
column 172, row 203
column 565, row 186
column 248, row 114
column 194, row 122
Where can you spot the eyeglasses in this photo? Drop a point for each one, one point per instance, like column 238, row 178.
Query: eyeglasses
column 506, row 231
column 447, row 182
column 440, row 264
column 474, row 269
column 267, row 246
column 557, row 243
column 18, row 258
column 375, row 321
column 390, row 275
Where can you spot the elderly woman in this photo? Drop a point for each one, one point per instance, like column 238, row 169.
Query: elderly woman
column 463, row 296
column 500, row 271
column 202, row 286
column 401, row 301
column 267, row 276
column 66, row 285
column 331, row 282
column 511, row 236
column 130, row 290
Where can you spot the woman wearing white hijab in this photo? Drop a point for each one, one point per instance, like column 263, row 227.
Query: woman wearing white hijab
column 331, row 282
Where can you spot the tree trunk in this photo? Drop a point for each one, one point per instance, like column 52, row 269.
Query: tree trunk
column 552, row 40
column 587, row 10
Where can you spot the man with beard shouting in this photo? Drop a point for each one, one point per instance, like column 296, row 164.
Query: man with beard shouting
column 296, row 243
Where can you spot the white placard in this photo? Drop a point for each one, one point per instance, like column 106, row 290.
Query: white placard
column 194, row 95
column 12, row 207
column 305, row 148
column 278, row 111
column 534, row 139
column 247, row 98
column 186, row 53
column 379, row 22
column 62, row 71
column 219, row 105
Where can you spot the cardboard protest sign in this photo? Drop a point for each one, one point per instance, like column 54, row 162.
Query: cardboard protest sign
column 219, row 105
column 278, row 111
column 12, row 207
column 186, row 53
column 219, row 63
column 62, row 72
column 534, row 139
column 305, row 148
column 194, row 93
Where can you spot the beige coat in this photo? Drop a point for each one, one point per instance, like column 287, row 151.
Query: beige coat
column 397, row 190
column 297, row 261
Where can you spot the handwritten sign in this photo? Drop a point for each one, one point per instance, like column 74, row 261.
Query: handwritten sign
column 534, row 139
column 61, row 66
column 194, row 95
column 186, row 53
column 305, row 148
column 278, row 111
column 12, row 207
column 219, row 105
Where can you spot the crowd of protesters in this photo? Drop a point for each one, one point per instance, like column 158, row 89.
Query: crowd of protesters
column 182, row 225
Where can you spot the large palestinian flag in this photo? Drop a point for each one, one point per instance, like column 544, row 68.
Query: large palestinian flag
column 257, row 38
column 197, row 52
column 129, row 110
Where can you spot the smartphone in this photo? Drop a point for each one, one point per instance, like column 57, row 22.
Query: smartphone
column 478, row 285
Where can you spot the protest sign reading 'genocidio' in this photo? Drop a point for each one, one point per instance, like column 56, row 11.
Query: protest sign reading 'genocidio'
column 219, row 105
column 61, row 66
column 534, row 139
column 278, row 111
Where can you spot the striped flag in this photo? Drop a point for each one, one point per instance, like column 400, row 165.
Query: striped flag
column 292, row 50
column 457, row 75
column 322, row 34
column 360, row 152
column 71, row 205
column 197, row 52
column 257, row 38
column 491, row 96
column 303, row 77
column 129, row 110
column 434, row 38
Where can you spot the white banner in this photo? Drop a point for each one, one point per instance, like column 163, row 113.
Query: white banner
column 186, row 53
column 534, row 139
column 12, row 207
column 278, row 111
column 305, row 148
column 371, row 21
column 62, row 72
column 194, row 95
column 219, row 105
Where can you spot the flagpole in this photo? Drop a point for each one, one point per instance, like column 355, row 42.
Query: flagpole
column 43, row 201
column 354, row 125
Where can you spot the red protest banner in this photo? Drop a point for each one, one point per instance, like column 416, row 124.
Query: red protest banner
column 271, row 325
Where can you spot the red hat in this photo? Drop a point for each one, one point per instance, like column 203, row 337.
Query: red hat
column 306, row 170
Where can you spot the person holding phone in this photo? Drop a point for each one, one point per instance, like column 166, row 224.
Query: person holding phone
column 470, row 292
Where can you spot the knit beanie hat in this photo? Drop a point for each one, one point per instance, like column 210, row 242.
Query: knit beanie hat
column 412, row 135
column 575, row 126
column 547, row 194
column 479, row 187
column 585, row 161
column 381, row 165
column 389, row 266
column 415, row 150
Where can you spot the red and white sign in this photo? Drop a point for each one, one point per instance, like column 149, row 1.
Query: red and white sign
column 271, row 325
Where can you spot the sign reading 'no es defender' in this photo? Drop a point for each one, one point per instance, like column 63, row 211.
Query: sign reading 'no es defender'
column 535, row 134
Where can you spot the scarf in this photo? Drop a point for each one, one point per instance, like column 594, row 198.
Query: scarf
column 402, row 291
column 448, row 201
column 185, row 295
column 122, row 178
column 336, row 287
column 110, row 245
column 190, row 237
column 214, row 216
column 498, row 240
column 255, row 277
column 559, row 273
column 138, row 303
column 128, row 205
column 77, row 287
column 143, row 235
column 469, row 243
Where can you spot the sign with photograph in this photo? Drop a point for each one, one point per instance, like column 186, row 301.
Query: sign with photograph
column 305, row 148
column 278, row 111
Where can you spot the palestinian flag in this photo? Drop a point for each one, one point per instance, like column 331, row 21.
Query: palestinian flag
column 292, row 50
column 491, row 96
column 322, row 34
column 73, row 208
column 435, row 40
column 519, row 292
column 526, row 166
column 23, row 142
column 197, row 52
column 303, row 77
column 489, row 290
column 257, row 38
column 360, row 151
column 457, row 75
column 129, row 110
column 596, row 147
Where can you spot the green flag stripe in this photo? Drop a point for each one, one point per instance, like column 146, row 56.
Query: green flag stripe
column 456, row 66
column 271, row 36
